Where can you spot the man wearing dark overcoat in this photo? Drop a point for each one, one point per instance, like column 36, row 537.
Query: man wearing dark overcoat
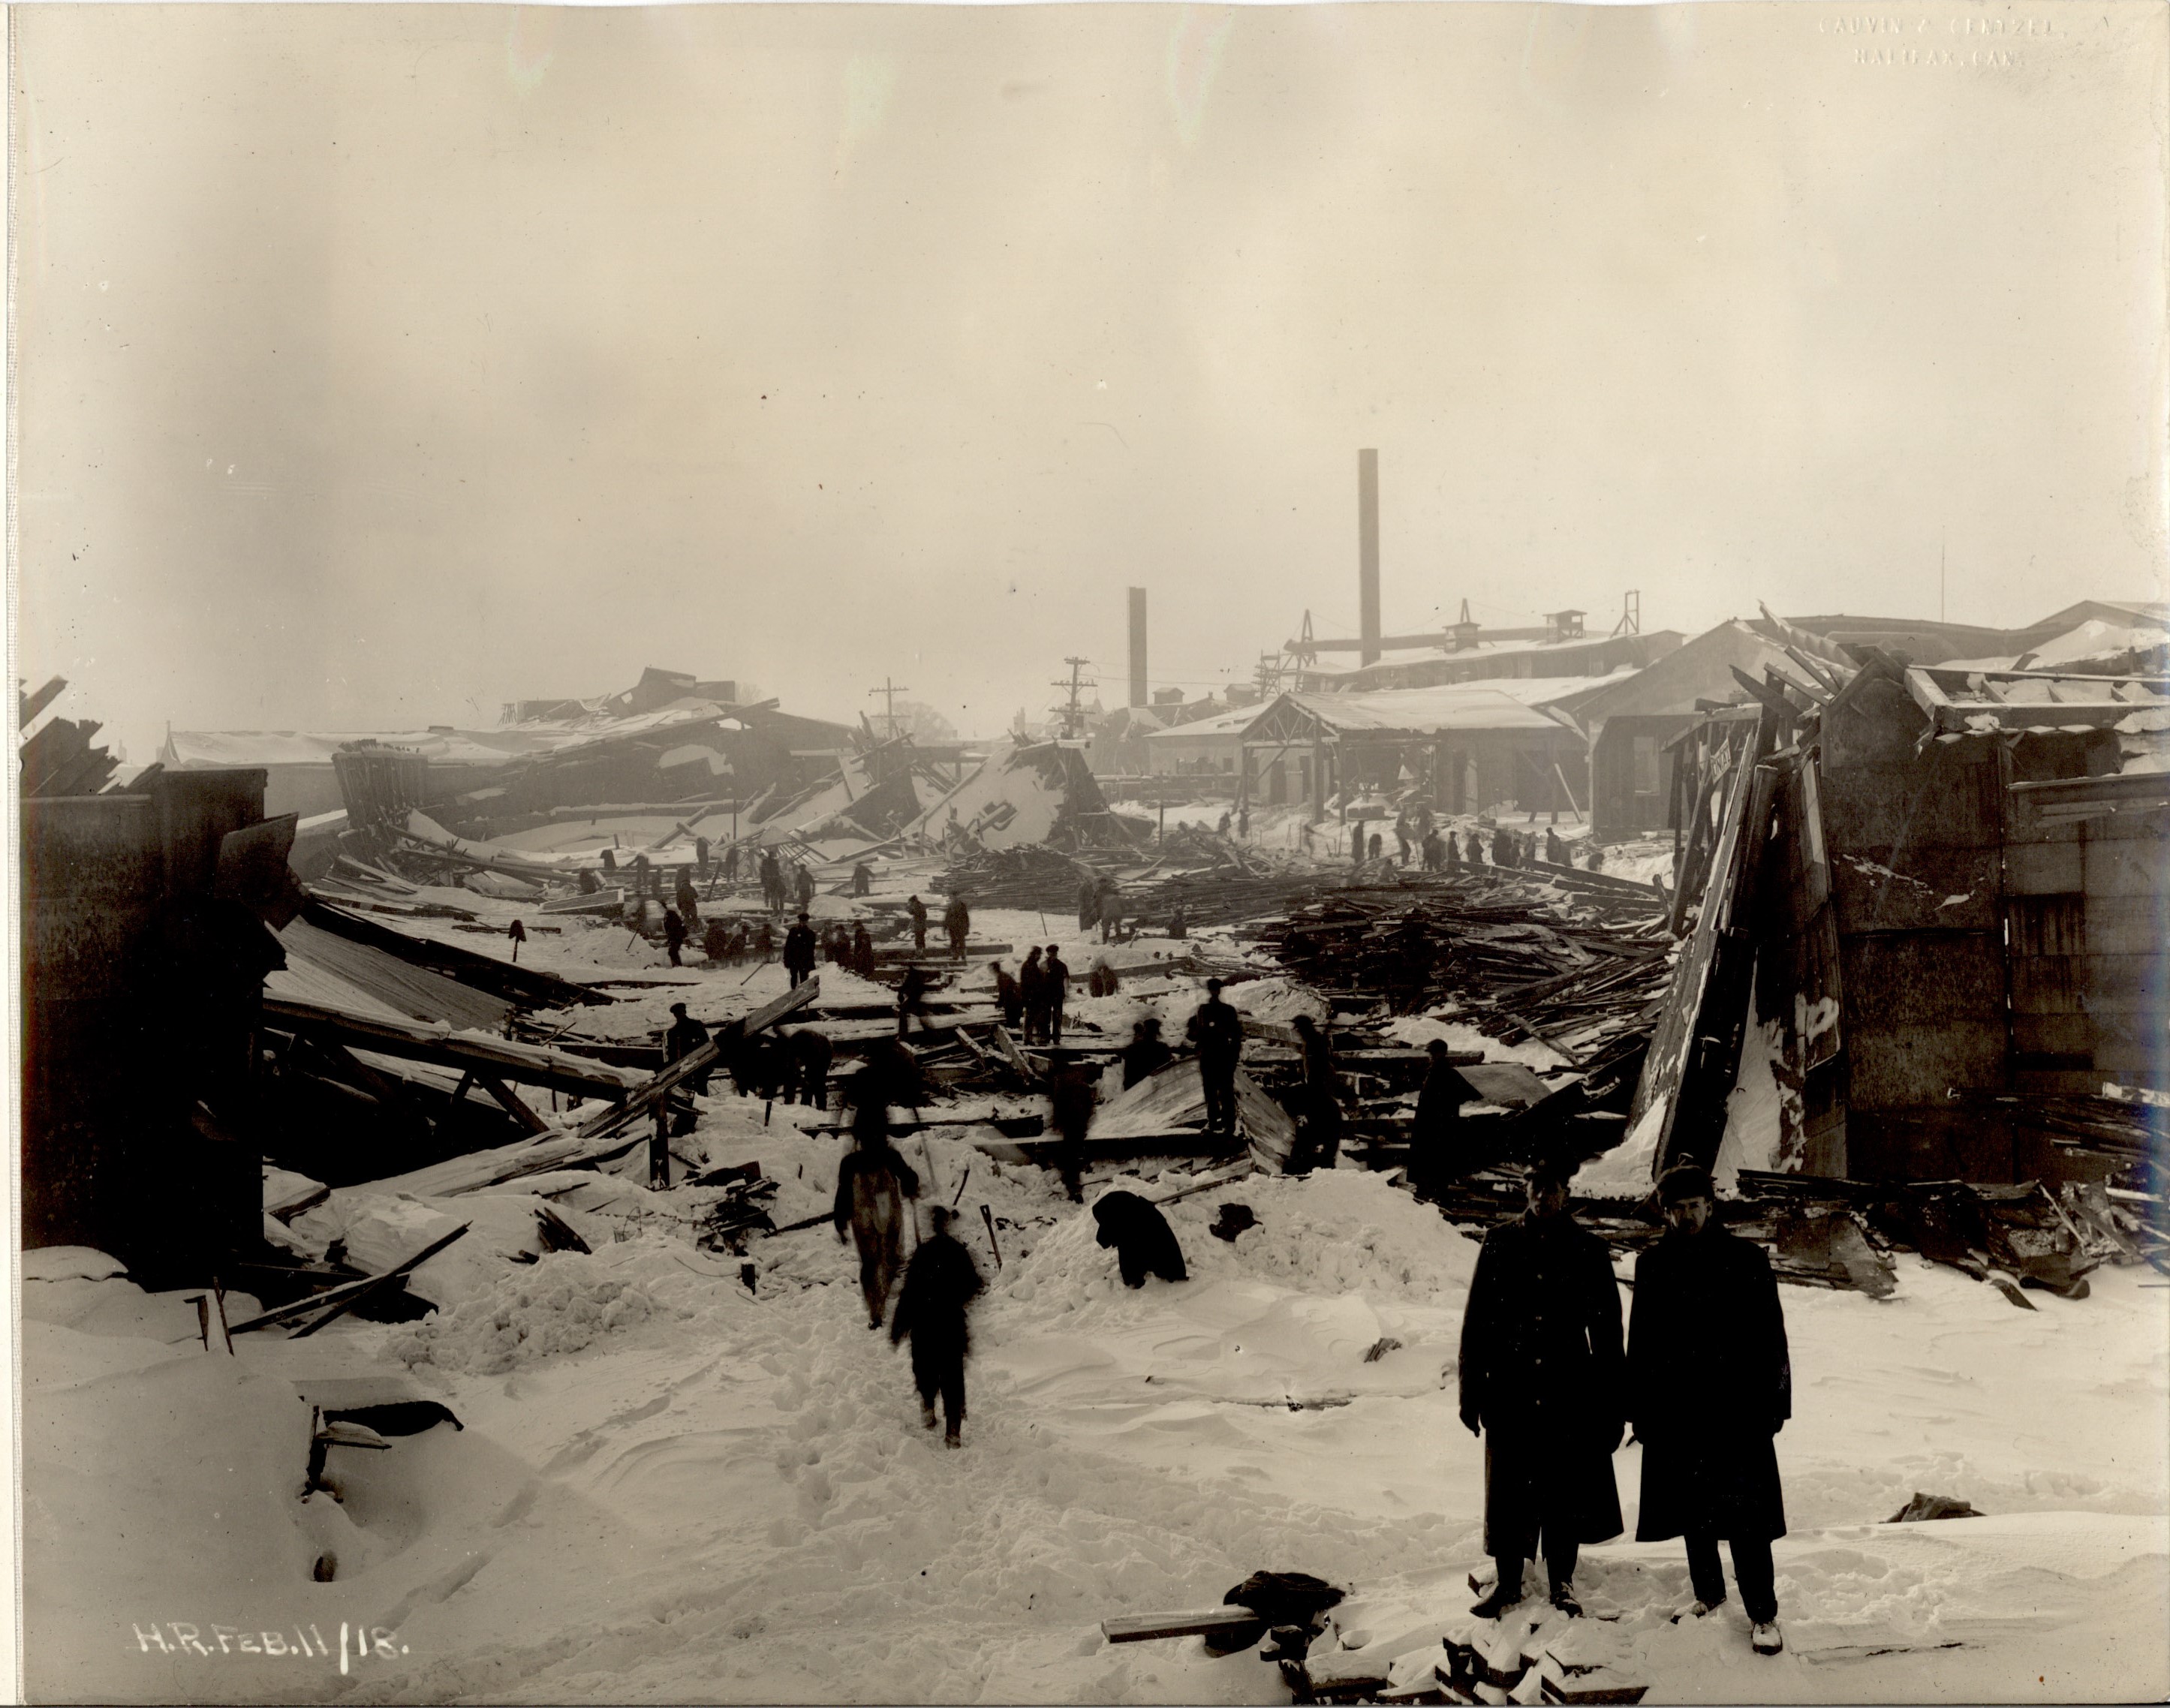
column 1541, row 1375
column 1709, row 1385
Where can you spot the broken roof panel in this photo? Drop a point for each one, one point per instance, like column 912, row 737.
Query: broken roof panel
column 1492, row 704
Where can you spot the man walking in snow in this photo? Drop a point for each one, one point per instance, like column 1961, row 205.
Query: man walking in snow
column 1070, row 1103
column 872, row 1184
column 1216, row 1034
column 917, row 909
column 1541, row 1375
column 939, row 1287
column 957, row 922
column 772, row 882
column 1710, row 1385
column 674, row 934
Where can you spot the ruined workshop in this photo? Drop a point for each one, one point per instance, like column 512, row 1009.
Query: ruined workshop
column 1199, row 1102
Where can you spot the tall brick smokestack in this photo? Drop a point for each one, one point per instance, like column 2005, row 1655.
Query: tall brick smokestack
column 1138, row 695
column 1367, row 554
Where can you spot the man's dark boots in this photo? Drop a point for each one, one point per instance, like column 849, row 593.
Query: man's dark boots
column 1505, row 1594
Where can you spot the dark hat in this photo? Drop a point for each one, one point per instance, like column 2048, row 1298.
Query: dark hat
column 1684, row 1180
column 1550, row 1168
column 1213, row 985
column 677, row 1007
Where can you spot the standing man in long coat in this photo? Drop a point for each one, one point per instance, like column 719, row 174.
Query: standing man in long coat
column 1435, row 1136
column 1542, row 1377
column 1709, row 1385
column 1053, row 993
column 1216, row 1034
column 798, row 951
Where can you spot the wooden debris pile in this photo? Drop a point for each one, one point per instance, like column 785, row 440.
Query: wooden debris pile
column 1524, row 969
column 1030, row 875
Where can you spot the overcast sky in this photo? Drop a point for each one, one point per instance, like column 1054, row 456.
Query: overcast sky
column 380, row 365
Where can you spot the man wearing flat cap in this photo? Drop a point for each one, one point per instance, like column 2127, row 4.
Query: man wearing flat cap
column 1709, row 1385
column 1541, row 1377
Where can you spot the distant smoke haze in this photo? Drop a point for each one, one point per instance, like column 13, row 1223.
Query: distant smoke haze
column 380, row 365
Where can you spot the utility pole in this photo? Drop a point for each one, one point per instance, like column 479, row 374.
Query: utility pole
column 1073, row 716
column 890, row 691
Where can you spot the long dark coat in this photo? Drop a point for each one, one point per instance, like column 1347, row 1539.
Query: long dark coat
column 1709, row 1381
column 1542, row 1371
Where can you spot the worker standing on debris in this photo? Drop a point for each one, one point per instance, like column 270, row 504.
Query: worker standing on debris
column 1032, row 988
column 811, row 1053
column 674, row 934
column 764, row 939
column 1709, row 1384
column 1503, row 847
column 1054, row 992
column 1145, row 1054
column 872, row 1184
column 1476, row 843
column 957, row 920
column 1318, row 1144
column 1179, row 924
column 1555, row 850
column 1216, row 1034
column 716, row 943
column 862, row 950
column 911, row 997
column 941, row 1282
column 1009, row 997
column 1450, row 856
column 1434, row 851
column 1435, row 1135
column 771, row 881
column 689, row 899
column 798, row 952
column 1542, row 1377
column 1244, row 825
column 862, row 879
column 806, row 886
column 917, row 909
column 685, row 1035
column 1110, row 909
column 701, row 855
column 1222, row 829
column 1088, row 902
column 1377, row 846
column 1402, row 837
column 1070, row 1112
column 731, row 864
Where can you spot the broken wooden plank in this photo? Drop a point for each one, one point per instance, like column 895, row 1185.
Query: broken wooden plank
column 301, row 1307
column 376, row 1284
column 510, row 1101
column 415, row 1041
column 1205, row 1621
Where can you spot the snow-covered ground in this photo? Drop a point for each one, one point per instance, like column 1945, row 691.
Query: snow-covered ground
column 670, row 1487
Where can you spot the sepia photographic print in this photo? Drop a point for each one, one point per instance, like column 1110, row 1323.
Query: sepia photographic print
column 1091, row 853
